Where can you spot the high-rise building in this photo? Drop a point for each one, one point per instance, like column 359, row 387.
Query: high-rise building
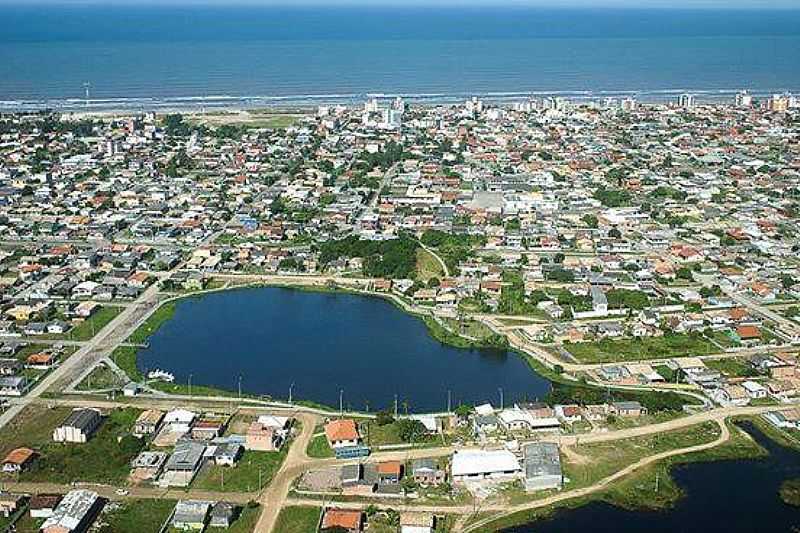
column 744, row 99
column 372, row 105
column 474, row 105
column 779, row 102
column 687, row 101
column 628, row 104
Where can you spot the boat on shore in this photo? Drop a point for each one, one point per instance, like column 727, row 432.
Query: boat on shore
column 160, row 375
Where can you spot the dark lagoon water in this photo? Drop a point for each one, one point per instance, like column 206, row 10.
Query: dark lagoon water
column 731, row 496
column 152, row 56
column 324, row 343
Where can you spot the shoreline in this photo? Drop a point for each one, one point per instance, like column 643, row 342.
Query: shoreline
column 308, row 103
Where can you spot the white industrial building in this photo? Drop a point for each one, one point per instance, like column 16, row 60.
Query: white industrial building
column 482, row 464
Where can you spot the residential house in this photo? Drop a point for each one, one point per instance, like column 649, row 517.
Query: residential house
column 13, row 385
column 191, row 515
column 261, row 437
column 426, row 472
column 342, row 520
column 183, row 465
column 227, row 454
column 628, row 409
column 147, row 422
column 43, row 505
column 222, row 515
column 390, row 472
column 415, row 522
column 731, row 395
column 342, row 433
column 9, row 503
column 17, row 460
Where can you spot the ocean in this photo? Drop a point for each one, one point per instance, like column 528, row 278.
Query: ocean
column 206, row 57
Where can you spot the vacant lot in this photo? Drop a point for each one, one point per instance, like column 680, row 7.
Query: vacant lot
column 135, row 516
column 244, row 477
column 670, row 345
column 298, row 519
column 104, row 459
column 318, row 447
column 89, row 327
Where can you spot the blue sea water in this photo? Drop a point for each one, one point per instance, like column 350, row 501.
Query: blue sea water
column 209, row 56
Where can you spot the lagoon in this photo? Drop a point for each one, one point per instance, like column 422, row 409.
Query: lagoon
column 324, row 343
column 739, row 496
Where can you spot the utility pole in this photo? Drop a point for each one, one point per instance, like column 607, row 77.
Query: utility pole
column 341, row 402
column 290, row 392
column 240, row 387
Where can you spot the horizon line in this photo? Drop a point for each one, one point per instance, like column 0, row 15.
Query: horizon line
column 707, row 5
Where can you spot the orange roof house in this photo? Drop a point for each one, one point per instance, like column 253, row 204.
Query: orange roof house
column 389, row 467
column 17, row 459
column 748, row 332
column 342, row 432
column 738, row 313
column 40, row 359
column 340, row 518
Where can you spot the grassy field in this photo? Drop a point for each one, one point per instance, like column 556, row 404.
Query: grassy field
column 101, row 377
column 125, row 358
column 135, row 516
column 298, row 519
column 732, row 368
column 427, row 266
column 319, row 448
column 243, row 477
column 26, row 524
column 153, row 322
column 104, row 459
column 605, row 458
column 472, row 328
column 246, row 522
column 250, row 119
column 89, row 327
column 670, row 345
column 33, row 428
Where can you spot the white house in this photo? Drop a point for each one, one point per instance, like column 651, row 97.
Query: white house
column 754, row 389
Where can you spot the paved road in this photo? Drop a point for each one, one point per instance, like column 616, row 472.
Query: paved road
column 92, row 351
column 110, row 492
